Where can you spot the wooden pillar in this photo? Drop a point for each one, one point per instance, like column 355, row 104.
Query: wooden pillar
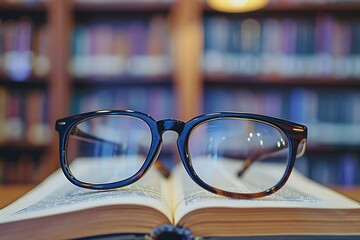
column 187, row 47
column 59, row 86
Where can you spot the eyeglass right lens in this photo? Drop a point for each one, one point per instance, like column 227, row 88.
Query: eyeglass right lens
column 239, row 155
column 108, row 149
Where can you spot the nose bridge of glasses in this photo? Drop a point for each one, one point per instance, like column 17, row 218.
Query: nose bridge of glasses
column 170, row 125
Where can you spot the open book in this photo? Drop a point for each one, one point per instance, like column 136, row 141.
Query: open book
column 58, row 210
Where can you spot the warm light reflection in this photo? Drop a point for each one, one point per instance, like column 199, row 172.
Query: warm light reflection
column 298, row 129
column 103, row 111
column 237, row 5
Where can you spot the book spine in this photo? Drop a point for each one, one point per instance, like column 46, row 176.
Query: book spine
column 23, row 48
column 37, row 128
column 3, row 106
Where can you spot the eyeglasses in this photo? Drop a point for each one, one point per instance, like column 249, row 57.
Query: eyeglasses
column 238, row 155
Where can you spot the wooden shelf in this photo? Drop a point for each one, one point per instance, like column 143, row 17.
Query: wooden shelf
column 123, row 81
column 36, row 11
column 84, row 12
column 280, row 81
column 23, row 6
column 316, row 7
column 20, row 146
column 333, row 149
column 122, row 7
column 300, row 7
column 32, row 83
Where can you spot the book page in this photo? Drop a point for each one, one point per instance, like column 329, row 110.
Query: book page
column 57, row 195
column 298, row 192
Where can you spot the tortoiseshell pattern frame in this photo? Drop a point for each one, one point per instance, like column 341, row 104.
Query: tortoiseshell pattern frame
column 295, row 133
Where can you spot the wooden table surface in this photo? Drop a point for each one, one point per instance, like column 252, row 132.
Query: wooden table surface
column 9, row 193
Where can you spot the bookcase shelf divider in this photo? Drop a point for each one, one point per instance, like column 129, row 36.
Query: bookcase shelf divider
column 60, row 27
column 187, row 52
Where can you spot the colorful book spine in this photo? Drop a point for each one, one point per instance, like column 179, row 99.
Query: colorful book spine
column 23, row 49
column 23, row 115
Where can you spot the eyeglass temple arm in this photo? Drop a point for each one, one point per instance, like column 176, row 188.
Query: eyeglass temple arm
column 263, row 154
column 80, row 134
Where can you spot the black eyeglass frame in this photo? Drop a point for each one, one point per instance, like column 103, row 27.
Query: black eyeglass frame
column 296, row 134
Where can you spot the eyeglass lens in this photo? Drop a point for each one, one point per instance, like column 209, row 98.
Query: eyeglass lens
column 239, row 155
column 111, row 148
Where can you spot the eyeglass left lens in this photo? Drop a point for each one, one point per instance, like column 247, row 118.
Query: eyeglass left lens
column 107, row 149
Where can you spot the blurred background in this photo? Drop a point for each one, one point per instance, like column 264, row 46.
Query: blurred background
column 294, row 59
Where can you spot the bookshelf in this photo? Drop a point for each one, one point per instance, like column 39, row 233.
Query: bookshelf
column 296, row 61
column 24, row 68
column 189, row 82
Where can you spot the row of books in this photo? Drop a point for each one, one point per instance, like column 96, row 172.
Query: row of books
column 334, row 169
column 298, row 104
column 324, row 45
column 157, row 102
column 332, row 117
column 22, row 169
column 24, row 49
column 136, row 47
column 24, row 117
